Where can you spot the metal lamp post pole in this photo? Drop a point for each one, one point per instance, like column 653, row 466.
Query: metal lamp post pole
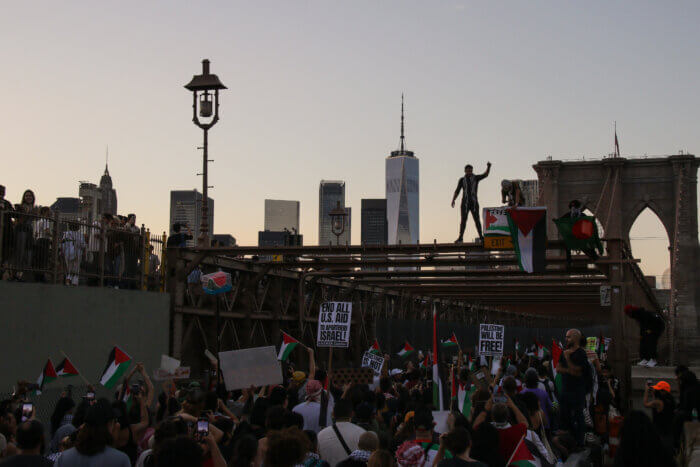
column 204, row 225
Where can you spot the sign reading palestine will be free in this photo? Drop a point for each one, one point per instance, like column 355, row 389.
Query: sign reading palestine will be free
column 334, row 324
column 491, row 339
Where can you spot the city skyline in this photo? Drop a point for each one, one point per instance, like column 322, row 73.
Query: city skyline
column 324, row 80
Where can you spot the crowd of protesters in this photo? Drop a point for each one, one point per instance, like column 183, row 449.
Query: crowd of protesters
column 28, row 244
column 311, row 421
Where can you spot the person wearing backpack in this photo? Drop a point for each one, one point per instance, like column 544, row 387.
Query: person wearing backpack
column 651, row 327
column 575, row 371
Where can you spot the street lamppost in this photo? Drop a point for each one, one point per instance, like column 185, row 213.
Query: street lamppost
column 338, row 216
column 204, row 87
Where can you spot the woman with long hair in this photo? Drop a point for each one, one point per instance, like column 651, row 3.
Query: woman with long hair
column 24, row 230
column 93, row 444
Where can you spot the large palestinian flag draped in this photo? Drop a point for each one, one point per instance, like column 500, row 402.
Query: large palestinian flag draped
column 117, row 364
column 66, row 368
column 579, row 233
column 47, row 375
column 529, row 234
column 288, row 344
column 216, row 283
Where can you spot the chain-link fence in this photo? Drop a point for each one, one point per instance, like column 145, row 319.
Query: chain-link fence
column 111, row 252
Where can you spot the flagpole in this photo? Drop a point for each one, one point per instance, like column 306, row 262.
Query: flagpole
column 79, row 373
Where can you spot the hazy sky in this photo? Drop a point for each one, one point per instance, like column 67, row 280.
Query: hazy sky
column 314, row 93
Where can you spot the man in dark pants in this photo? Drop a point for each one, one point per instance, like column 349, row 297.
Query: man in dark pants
column 469, row 184
column 651, row 326
column 573, row 366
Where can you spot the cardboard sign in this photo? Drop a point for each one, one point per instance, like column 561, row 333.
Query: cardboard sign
column 257, row 366
column 161, row 374
column 343, row 376
column 375, row 362
column 481, row 378
column 169, row 363
column 491, row 339
column 440, row 419
column 334, row 324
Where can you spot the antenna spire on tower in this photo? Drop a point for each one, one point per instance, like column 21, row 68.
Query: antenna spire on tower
column 402, row 134
column 106, row 158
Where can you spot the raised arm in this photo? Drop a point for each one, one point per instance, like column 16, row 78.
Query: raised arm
column 149, row 385
column 488, row 171
column 312, row 363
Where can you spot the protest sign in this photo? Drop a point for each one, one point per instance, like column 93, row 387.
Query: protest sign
column 334, row 324
column 169, row 363
column 592, row 344
column 375, row 362
column 496, row 229
column 257, row 366
column 481, row 378
column 440, row 419
column 161, row 374
column 491, row 339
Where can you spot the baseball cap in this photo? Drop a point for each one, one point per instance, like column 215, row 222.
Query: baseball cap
column 662, row 386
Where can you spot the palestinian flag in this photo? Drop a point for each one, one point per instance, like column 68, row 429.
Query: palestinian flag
column 437, row 383
column 216, row 283
column 464, row 397
column 472, row 364
column 405, row 351
column 375, row 348
column 66, row 368
column 128, row 399
column 117, row 364
column 529, row 234
column 47, row 375
column 556, row 355
column 579, row 233
column 522, row 457
column 288, row 344
column 542, row 351
column 425, row 363
column 601, row 346
column 451, row 342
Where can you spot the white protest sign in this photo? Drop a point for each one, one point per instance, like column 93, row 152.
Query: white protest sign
column 375, row 362
column 161, row 374
column 169, row 363
column 491, row 339
column 440, row 419
column 334, row 324
column 257, row 366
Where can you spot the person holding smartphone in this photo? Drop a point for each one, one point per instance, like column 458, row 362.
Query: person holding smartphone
column 658, row 398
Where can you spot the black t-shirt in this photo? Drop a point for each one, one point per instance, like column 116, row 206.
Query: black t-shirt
column 571, row 383
column 26, row 460
column 178, row 239
column 457, row 462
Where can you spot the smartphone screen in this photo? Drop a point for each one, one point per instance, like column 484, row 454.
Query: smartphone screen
column 500, row 399
column 202, row 427
column 26, row 411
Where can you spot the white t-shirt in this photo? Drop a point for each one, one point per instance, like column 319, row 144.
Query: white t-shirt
column 329, row 447
column 311, row 411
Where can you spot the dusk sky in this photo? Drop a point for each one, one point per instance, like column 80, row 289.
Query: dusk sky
column 314, row 93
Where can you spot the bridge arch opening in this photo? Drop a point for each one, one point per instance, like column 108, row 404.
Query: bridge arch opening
column 649, row 242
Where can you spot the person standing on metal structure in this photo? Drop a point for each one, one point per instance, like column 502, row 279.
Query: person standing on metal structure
column 469, row 184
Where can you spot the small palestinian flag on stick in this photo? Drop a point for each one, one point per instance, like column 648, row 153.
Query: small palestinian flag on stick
column 374, row 349
column 288, row 344
column 406, row 350
column 47, row 375
column 117, row 364
column 451, row 342
column 66, row 368
column 425, row 363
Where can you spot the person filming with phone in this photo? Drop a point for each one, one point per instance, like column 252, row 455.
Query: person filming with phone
column 658, row 398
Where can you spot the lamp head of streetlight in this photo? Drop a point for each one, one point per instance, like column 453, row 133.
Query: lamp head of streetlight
column 205, row 90
column 338, row 216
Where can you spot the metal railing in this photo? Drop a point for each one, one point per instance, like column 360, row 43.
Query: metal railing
column 36, row 248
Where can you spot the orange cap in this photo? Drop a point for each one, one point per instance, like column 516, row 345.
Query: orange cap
column 662, row 386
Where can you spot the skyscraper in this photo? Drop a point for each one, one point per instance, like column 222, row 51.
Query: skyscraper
column 402, row 193
column 97, row 200
column 374, row 225
column 330, row 192
column 186, row 209
column 280, row 215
